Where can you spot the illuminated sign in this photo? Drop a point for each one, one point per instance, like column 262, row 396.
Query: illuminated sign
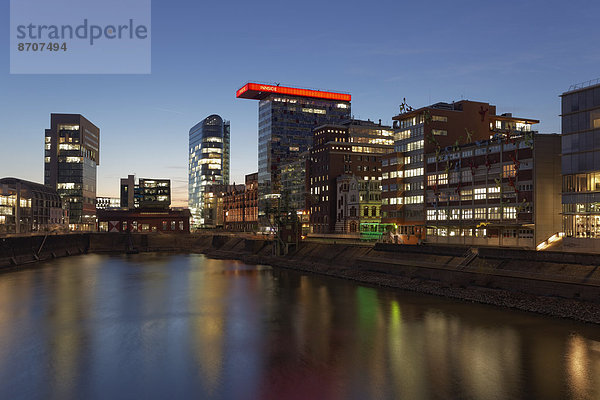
column 259, row 91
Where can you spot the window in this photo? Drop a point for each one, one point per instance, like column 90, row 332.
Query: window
column 172, row 225
column 180, row 225
column 443, row 179
column 494, row 192
column 480, row 213
column 494, row 213
column 164, row 225
column 508, row 171
column 467, row 213
column 454, row 177
column 431, row 180
column 480, row 194
column 439, row 118
column 431, row 215
column 455, row 214
column 366, row 212
column 439, row 132
column 510, row 213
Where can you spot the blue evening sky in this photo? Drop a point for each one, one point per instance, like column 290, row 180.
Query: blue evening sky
column 517, row 55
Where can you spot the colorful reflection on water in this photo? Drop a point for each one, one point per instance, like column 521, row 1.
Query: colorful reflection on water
column 184, row 326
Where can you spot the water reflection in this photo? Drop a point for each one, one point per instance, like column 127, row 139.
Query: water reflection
column 178, row 326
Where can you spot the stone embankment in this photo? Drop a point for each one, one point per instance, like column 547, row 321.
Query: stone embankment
column 551, row 283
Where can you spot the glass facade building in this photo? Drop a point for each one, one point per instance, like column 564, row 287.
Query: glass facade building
column 209, row 161
column 580, row 116
column 71, row 156
column 286, row 119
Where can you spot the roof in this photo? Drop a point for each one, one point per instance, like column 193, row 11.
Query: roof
column 259, row 91
column 29, row 184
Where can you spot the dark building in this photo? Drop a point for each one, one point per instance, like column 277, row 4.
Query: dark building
column 72, row 153
column 27, row 207
column 580, row 116
column 139, row 220
column 241, row 206
column 209, row 161
column 286, row 118
column 148, row 193
column 432, row 130
column 504, row 191
column 352, row 148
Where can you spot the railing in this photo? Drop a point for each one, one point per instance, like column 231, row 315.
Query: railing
column 585, row 84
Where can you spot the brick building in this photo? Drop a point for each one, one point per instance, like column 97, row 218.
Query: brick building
column 241, row 206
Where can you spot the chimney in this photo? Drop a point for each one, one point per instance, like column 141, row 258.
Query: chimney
column 379, row 121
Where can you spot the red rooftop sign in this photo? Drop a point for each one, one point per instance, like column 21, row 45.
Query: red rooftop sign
column 259, row 91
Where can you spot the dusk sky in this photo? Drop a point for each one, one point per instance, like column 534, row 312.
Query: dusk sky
column 517, row 55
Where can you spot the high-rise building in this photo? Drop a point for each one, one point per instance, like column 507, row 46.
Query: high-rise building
column 72, row 154
column 433, row 129
column 286, row 118
column 209, row 161
column 581, row 166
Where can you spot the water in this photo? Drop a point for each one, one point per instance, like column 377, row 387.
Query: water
column 183, row 326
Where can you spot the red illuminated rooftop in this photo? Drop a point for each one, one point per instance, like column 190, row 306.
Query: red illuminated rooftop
column 259, row 91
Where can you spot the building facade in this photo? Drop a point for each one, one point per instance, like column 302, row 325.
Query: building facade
column 71, row 157
column 241, row 206
column 293, row 183
column 140, row 220
column 146, row 194
column 209, row 161
column 504, row 191
column 346, row 149
column 286, row 118
column 29, row 207
column 580, row 116
column 358, row 211
column 103, row 202
column 431, row 130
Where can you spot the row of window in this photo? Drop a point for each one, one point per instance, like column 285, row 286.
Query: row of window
column 481, row 213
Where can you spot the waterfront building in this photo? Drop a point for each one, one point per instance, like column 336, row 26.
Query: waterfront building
column 103, row 202
column 144, row 220
column 358, row 208
column 352, row 148
column 240, row 207
column 147, row 193
column 293, row 183
column 503, row 191
column 27, row 207
column 286, row 118
column 209, row 162
column 215, row 196
column 71, row 157
column 580, row 116
column 431, row 130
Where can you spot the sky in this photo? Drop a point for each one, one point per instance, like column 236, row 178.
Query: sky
column 519, row 56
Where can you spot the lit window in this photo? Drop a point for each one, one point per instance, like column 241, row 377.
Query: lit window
column 439, row 132
column 508, row 171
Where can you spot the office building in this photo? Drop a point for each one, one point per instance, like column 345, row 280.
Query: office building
column 71, row 156
column 503, row 191
column 29, row 207
column 351, row 148
column 580, row 116
column 293, row 183
column 286, row 118
column 209, row 162
column 432, row 130
column 103, row 202
column 146, row 194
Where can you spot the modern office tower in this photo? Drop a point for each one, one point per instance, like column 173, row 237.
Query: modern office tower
column 38, row 208
column 72, row 154
column 353, row 148
column 432, row 129
column 581, row 166
column 147, row 194
column 293, row 183
column 286, row 118
column 209, row 161
column 503, row 191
